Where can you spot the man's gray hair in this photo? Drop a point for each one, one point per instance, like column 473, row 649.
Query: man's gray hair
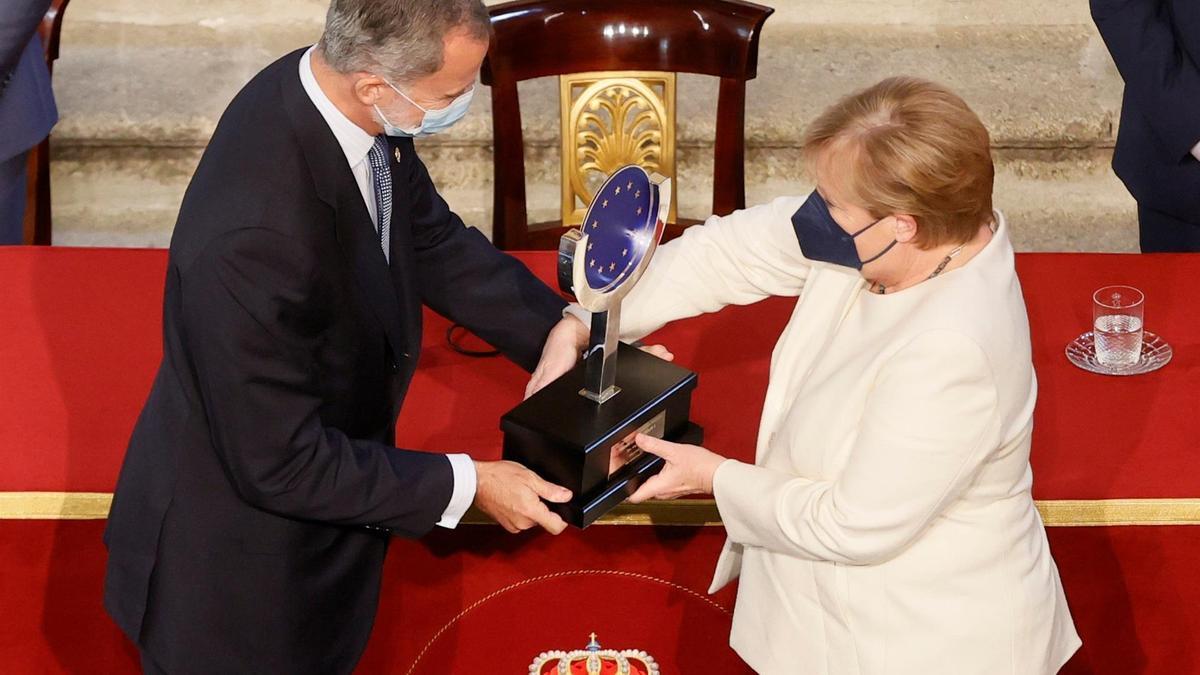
column 399, row 39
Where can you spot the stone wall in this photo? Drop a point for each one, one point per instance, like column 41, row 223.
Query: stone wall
column 141, row 86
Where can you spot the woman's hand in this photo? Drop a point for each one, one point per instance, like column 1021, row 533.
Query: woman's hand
column 566, row 342
column 689, row 470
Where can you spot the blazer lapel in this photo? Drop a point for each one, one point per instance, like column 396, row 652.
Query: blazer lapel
column 359, row 240
column 403, row 254
column 827, row 298
column 335, row 185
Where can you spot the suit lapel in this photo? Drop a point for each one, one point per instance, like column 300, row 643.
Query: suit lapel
column 828, row 296
column 403, row 253
column 359, row 240
column 335, row 185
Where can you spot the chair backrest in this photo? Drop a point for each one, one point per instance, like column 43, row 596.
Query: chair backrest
column 540, row 38
column 37, row 226
column 610, row 119
column 50, row 30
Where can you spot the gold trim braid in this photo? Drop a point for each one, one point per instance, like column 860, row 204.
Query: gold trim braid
column 1112, row 512
column 54, row 505
column 683, row 512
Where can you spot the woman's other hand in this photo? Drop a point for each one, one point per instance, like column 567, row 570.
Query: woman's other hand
column 689, row 470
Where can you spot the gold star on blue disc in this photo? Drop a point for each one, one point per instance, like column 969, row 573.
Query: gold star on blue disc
column 622, row 222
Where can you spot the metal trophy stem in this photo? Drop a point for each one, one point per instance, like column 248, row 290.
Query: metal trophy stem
column 601, row 359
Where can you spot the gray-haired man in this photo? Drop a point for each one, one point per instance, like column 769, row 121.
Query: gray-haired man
column 260, row 487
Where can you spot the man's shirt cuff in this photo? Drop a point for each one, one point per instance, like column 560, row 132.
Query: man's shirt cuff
column 464, row 490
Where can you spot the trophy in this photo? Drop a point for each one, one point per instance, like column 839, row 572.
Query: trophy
column 578, row 431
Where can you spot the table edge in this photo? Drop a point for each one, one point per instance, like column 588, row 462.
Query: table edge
column 679, row 513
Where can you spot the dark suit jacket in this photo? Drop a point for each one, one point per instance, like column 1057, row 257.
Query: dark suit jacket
column 238, row 538
column 1156, row 46
column 27, row 110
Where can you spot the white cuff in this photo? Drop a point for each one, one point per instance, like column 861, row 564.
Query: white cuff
column 1196, row 151
column 576, row 310
column 464, row 490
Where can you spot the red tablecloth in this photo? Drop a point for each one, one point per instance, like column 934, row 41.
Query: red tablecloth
column 80, row 341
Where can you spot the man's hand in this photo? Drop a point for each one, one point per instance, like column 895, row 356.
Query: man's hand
column 564, row 345
column 689, row 470
column 512, row 495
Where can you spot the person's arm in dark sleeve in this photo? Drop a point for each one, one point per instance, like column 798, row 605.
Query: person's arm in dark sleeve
column 1185, row 15
column 466, row 279
column 252, row 327
column 1159, row 76
column 19, row 21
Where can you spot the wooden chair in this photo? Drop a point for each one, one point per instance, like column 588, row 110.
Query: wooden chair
column 616, row 61
column 37, row 194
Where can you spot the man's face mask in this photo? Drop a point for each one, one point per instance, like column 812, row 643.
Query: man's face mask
column 822, row 239
column 432, row 121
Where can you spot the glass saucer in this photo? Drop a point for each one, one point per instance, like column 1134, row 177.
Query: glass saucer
column 1155, row 354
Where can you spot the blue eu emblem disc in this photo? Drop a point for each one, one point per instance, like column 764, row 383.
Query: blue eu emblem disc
column 620, row 226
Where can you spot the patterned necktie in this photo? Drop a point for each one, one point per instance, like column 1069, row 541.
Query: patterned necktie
column 381, row 177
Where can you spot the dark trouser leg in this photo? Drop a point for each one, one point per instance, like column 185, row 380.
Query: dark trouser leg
column 12, row 198
column 1162, row 233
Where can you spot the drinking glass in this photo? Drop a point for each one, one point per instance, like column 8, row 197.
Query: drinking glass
column 1117, row 313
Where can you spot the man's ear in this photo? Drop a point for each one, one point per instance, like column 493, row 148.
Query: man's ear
column 369, row 89
column 905, row 228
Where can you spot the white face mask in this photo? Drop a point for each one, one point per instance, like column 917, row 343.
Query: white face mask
column 432, row 121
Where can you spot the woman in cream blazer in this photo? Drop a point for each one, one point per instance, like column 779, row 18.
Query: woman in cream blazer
column 887, row 524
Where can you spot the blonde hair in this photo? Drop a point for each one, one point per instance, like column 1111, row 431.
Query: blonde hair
column 909, row 146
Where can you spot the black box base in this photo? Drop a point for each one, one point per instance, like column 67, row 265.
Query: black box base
column 568, row 439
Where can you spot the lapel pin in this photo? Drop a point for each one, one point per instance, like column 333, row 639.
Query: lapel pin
column 396, row 154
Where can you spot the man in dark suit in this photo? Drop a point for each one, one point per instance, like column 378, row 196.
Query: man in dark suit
column 1156, row 46
column 27, row 111
column 261, row 485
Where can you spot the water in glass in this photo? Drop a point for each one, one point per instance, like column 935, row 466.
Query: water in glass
column 1118, row 339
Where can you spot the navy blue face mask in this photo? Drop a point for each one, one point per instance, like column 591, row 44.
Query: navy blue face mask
column 822, row 239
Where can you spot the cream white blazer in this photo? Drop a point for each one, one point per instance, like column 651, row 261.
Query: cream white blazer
column 887, row 524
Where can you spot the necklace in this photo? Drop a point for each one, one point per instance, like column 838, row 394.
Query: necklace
column 940, row 268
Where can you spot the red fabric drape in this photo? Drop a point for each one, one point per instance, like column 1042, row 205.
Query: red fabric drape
column 79, row 343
